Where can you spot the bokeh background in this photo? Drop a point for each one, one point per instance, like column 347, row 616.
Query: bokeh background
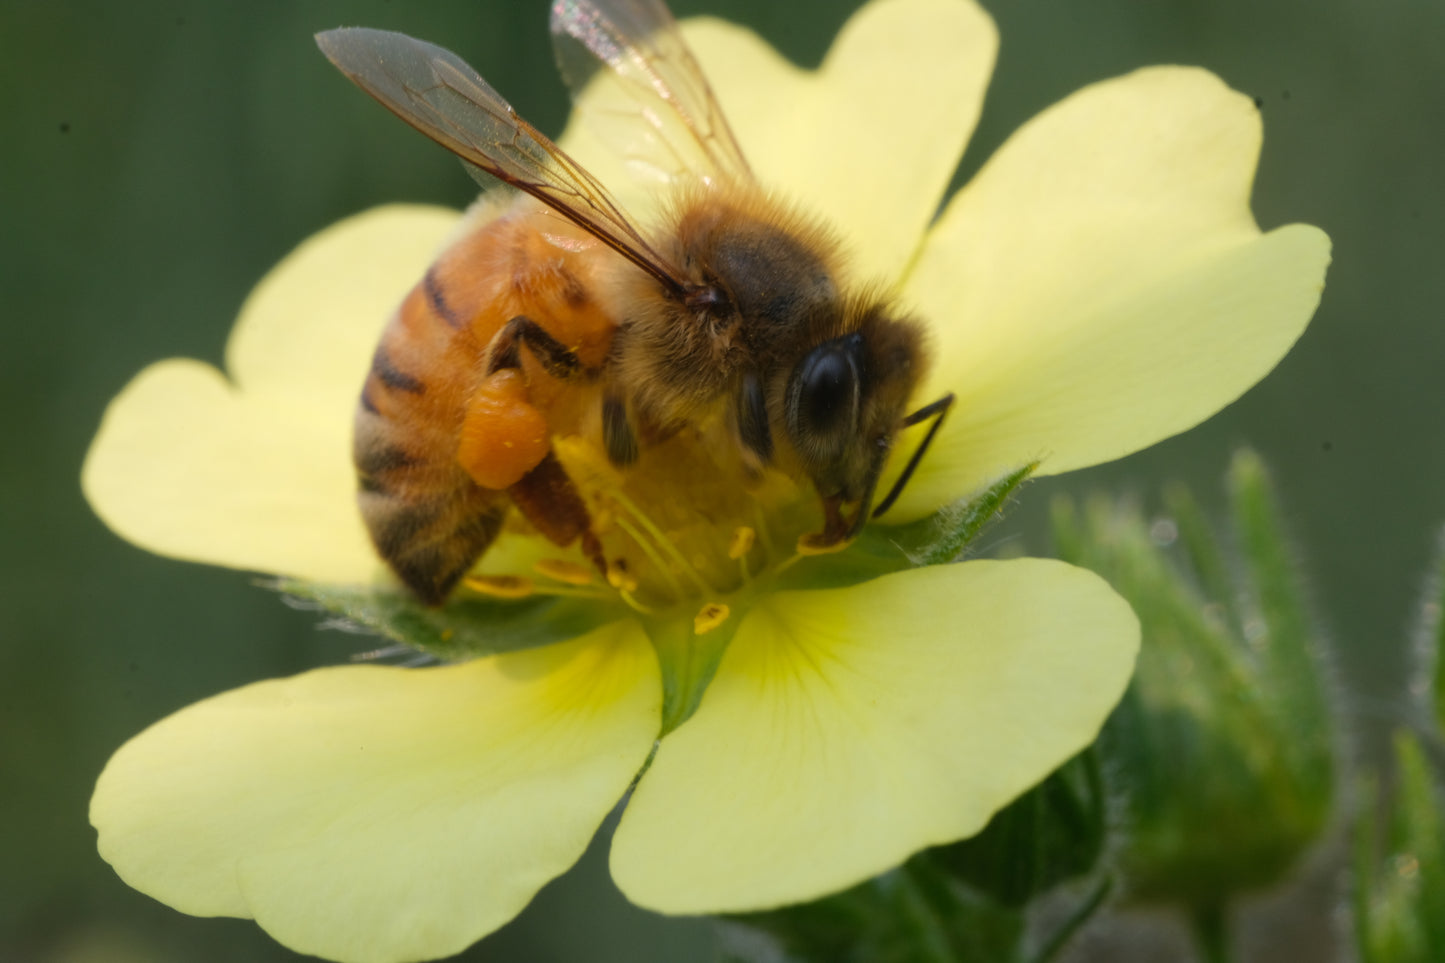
column 160, row 155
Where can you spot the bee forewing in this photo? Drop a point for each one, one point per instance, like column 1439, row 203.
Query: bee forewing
column 436, row 92
column 641, row 90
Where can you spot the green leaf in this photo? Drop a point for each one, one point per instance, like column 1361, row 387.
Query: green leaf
column 880, row 549
column 464, row 627
column 916, row 914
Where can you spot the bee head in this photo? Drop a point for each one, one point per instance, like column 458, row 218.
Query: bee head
column 844, row 403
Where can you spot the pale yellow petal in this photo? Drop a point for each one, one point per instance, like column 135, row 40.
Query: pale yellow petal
column 382, row 814
column 847, row 729
column 308, row 329
column 1101, row 285
column 869, row 141
column 255, row 472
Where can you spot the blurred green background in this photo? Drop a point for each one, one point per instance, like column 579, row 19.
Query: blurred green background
column 161, row 155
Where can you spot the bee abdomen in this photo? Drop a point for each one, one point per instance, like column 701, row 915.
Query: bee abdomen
column 427, row 519
column 385, row 371
column 431, row 544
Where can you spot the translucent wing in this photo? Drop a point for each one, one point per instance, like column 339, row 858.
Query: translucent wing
column 437, row 93
column 641, row 90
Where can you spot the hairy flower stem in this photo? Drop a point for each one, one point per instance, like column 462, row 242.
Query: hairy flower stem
column 1210, row 926
column 1085, row 912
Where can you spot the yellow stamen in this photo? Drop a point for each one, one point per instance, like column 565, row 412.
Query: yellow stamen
column 709, row 617
column 561, row 570
column 660, row 540
column 631, row 600
column 742, row 542
column 500, row 586
column 653, row 555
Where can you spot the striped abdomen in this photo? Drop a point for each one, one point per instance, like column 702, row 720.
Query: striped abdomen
column 428, row 518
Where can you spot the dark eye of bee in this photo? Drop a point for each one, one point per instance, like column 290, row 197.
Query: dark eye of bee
column 823, row 397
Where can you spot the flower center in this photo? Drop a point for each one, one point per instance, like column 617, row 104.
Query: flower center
column 686, row 528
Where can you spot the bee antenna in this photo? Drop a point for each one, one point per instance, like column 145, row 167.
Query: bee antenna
column 935, row 410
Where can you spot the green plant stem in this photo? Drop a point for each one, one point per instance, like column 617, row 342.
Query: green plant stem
column 929, row 933
column 1086, row 910
column 1210, row 924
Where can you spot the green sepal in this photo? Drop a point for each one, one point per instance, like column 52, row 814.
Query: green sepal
column 1223, row 745
column 917, row 913
column 688, row 661
column 463, row 628
column 882, row 549
column 1286, row 659
column 1399, row 866
column 1428, row 669
column 1398, row 891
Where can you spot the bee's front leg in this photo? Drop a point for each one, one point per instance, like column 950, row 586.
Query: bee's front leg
column 838, row 530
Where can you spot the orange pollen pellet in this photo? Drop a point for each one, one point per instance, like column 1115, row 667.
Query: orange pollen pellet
column 503, row 436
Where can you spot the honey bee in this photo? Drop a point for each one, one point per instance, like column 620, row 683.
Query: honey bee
column 554, row 313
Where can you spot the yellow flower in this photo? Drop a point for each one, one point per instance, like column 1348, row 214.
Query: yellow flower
column 1100, row 285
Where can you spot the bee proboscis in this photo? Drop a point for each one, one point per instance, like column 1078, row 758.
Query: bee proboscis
column 555, row 313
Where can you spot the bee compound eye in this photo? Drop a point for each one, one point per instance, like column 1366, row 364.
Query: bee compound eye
column 823, row 402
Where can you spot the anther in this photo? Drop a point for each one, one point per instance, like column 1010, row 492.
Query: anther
column 619, row 577
column 742, row 542
column 500, row 586
column 709, row 617
column 561, row 570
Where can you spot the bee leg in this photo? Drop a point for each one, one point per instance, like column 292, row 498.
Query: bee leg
column 937, row 410
column 558, row 360
column 618, row 435
column 547, row 498
column 838, row 531
column 836, row 528
column 752, row 420
column 545, row 495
